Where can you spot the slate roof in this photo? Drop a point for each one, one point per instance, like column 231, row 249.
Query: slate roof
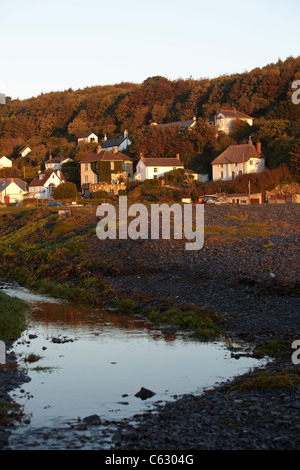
column 5, row 182
column 183, row 124
column 112, row 142
column 37, row 181
column 237, row 154
column 162, row 162
column 105, row 155
column 233, row 113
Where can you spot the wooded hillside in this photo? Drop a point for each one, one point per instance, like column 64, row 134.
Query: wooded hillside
column 53, row 121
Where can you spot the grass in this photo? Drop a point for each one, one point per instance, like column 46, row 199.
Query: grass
column 274, row 348
column 32, row 358
column 196, row 320
column 265, row 379
column 12, row 317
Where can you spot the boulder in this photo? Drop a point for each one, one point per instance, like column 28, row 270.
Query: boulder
column 144, row 393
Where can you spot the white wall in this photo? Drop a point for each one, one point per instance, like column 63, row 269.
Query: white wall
column 257, row 166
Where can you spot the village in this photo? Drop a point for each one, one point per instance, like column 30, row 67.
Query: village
column 108, row 170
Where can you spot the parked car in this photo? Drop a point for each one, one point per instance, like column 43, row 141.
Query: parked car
column 55, row 204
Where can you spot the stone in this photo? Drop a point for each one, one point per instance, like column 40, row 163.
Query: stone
column 92, row 420
column 144, row 393
column 2, row 353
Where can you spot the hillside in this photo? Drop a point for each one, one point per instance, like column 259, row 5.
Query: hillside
column 53, row 121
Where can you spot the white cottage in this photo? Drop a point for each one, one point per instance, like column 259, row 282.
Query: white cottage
column 87, row 138
column 238, row 160
column 43, row 185
column 151, row 168
column 224, row 120
column 122, row 143
column 12, row 190
column 5, row 163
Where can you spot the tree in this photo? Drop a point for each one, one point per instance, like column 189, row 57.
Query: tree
column 65, row 191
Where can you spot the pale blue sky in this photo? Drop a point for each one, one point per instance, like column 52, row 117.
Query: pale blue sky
column 60, row 44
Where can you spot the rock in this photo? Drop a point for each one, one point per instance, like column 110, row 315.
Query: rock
column 92, row 420
column 31, row 336
column 144, row 393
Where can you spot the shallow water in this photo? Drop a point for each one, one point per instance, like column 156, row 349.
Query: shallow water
column 109, row 358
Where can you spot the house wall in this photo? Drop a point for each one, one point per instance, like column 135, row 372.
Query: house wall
column 25, row 152
column 87, row 175
column 14, row 192
column 226, row 124
column 238, row 169
column 89, row 139
column 5, row 163
column 147, row 172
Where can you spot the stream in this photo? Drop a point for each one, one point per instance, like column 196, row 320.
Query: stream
column 94, row 362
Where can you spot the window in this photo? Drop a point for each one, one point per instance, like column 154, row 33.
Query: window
column 235, row 164
column 220, row 174
column 112, row 165
column 251, row 162
column 86, row 179
column 86, row 167
column 155, row 170
column 233, row 175
column 220, row 165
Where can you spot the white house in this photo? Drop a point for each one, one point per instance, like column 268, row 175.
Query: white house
column 55, row 163
column 43, row 185
column 225, row 118
column 151, row 168
column 238, row 160
column 12, row 190
column 122, row 143
column 25, row 151
column 5, row 163
column 88, row 138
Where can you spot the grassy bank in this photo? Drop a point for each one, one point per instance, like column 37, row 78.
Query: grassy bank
column 12, row 317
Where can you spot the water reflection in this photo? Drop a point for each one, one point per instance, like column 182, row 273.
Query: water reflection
column 104, row 359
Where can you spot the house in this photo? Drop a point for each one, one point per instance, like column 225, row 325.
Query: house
column 238, row 160
column 12, row 190
column 55, row 163
column 151, row 168
column 191, row 174
column 121, row 142
column 5, row 163
column 87, row 138
column 43, row 185
column 25, row 151
column 244, row 199
column 182, row 125
column 2, row 98
column 225, row 118
column 103, row 166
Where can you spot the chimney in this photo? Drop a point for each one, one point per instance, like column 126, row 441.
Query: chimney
column 194, row 118
column 233, row 109
column 115, row 150
column 258, row 147
column 250, row 140
column 142, row 156
column 125, row 134
column 99, row 148
column 50, row 156
column 104, row 138
column 177, row 156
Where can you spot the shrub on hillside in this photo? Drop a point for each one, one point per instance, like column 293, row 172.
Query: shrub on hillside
column 65, row 191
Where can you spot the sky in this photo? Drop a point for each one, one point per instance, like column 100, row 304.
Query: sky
column 60, row 44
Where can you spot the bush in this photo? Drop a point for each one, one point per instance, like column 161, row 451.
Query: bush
column 65, row 191
column 100, row 194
